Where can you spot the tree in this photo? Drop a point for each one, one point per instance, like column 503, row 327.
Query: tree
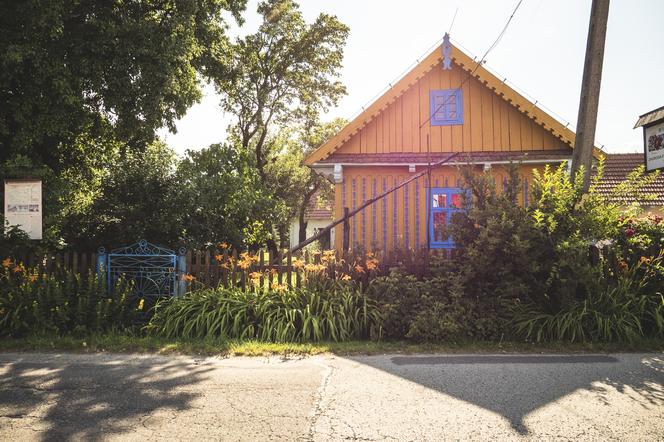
column 283, row 75
column 81, row 80
column 135, row 197
column 294, row 182
column 122, row 68
column 223, row 200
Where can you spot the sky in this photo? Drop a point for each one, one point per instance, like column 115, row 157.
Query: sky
column 542, row 54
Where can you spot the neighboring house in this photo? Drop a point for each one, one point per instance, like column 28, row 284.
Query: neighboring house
column 616, row 169
column 435, row 109
column 318, row 216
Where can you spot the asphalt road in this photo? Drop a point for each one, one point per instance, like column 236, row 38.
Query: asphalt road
column 391, row 397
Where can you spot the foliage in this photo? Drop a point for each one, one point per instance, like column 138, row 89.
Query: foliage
column 283, row 74
column 135, row 198
column 432, row 309
column 624, row 308
column 222, row 199
column 128, row 66
column 292, row 182
column 32, row 302
column 82, row 83
column 335, row 311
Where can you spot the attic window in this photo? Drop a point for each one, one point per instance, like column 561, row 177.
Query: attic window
column 446, row 107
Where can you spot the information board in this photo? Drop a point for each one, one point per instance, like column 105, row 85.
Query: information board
column 654, row 146
column 23, row 206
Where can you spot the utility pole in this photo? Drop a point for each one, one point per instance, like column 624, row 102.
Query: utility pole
column 592, row 77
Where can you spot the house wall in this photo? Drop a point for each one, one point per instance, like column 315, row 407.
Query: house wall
column 490, row 122
column 400, row 219
column 312, row 225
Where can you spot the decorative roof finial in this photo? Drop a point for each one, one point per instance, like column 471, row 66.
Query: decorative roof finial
column 447, row 49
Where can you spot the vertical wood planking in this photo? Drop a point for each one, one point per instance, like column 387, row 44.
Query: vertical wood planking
column 487, row 118
column 515, row 129
column 457, row 129
column 475, row 114
column 407, row 110
column 526, row 133
column 496, row 102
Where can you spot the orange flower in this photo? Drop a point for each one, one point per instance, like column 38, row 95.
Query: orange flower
column 17, row 269
column 33, row 278
column 219, row 258
column 298, row 263
column 223, row 245
column 346, row 278
column 247, row 260
column 623, row 266
column 372, row 263
column 187, row 277
column 359, row 268
column 6, row 263
column 279, row 287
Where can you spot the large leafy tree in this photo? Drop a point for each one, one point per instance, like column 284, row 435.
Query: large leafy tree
column 82, row 81
column 285, row 74
column 123, row 68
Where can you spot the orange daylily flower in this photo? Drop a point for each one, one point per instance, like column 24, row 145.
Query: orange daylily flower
column 6, row 263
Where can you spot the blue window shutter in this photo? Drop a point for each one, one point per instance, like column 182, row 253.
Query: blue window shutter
column 446, row 107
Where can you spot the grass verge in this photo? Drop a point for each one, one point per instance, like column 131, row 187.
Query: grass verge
column 124, row 343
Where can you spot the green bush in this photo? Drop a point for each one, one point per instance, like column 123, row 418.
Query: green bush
column 435, row 308
column 330, row 310
column 625, row 307
column 32, row 302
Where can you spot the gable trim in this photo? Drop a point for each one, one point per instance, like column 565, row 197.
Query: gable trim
column 467, row 64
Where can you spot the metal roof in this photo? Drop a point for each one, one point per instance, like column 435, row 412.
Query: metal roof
column 650, row 117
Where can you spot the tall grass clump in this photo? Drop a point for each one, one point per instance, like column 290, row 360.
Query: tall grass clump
column 60, row 303
column 331, row 310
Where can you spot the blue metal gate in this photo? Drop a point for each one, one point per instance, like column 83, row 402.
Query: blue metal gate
column 153, row 270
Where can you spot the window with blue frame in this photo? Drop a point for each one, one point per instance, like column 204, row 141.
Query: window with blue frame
column 446, row 107
column 443, row 203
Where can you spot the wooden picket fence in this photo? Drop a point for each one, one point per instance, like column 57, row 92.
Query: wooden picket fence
column 229, row 268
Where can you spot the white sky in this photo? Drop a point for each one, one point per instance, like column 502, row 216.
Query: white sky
column 542, row 54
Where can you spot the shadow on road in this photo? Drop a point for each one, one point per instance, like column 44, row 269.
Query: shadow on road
column 91, row 398
column 515, row 385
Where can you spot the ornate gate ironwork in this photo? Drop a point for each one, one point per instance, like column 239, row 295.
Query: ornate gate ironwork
column 154, row 270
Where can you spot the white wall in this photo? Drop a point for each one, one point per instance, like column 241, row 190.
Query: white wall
column 312, row 224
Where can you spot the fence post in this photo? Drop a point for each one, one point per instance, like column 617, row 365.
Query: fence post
column 346, row 241
column 101, row 260
column 181, row 270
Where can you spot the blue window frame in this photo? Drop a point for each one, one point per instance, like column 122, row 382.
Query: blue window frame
column 446, row 107
column 443, row 202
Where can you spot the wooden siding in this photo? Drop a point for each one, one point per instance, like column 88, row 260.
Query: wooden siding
column 490, row 122
column 382, row 226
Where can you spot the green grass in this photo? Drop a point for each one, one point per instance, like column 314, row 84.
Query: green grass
column 122, row 343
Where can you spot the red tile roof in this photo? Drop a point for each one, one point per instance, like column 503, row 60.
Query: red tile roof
column 616, row 169
column 319, row 208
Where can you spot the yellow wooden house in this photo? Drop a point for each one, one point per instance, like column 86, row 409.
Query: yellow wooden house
column 445, row 104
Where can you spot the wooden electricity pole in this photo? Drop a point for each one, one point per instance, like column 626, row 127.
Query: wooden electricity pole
column 592, row 77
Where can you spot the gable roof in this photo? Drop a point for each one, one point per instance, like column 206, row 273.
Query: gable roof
column 616, row 169
column 468, row 65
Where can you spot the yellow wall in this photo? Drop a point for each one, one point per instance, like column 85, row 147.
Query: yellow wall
column 374, row 227
column 490, row 122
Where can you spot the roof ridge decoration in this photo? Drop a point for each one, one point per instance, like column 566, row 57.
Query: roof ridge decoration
column 467, row 64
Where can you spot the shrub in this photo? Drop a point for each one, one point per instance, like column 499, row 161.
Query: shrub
column 432, row 309
column 623, row 308
column 330, row 310
column 32, row 302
